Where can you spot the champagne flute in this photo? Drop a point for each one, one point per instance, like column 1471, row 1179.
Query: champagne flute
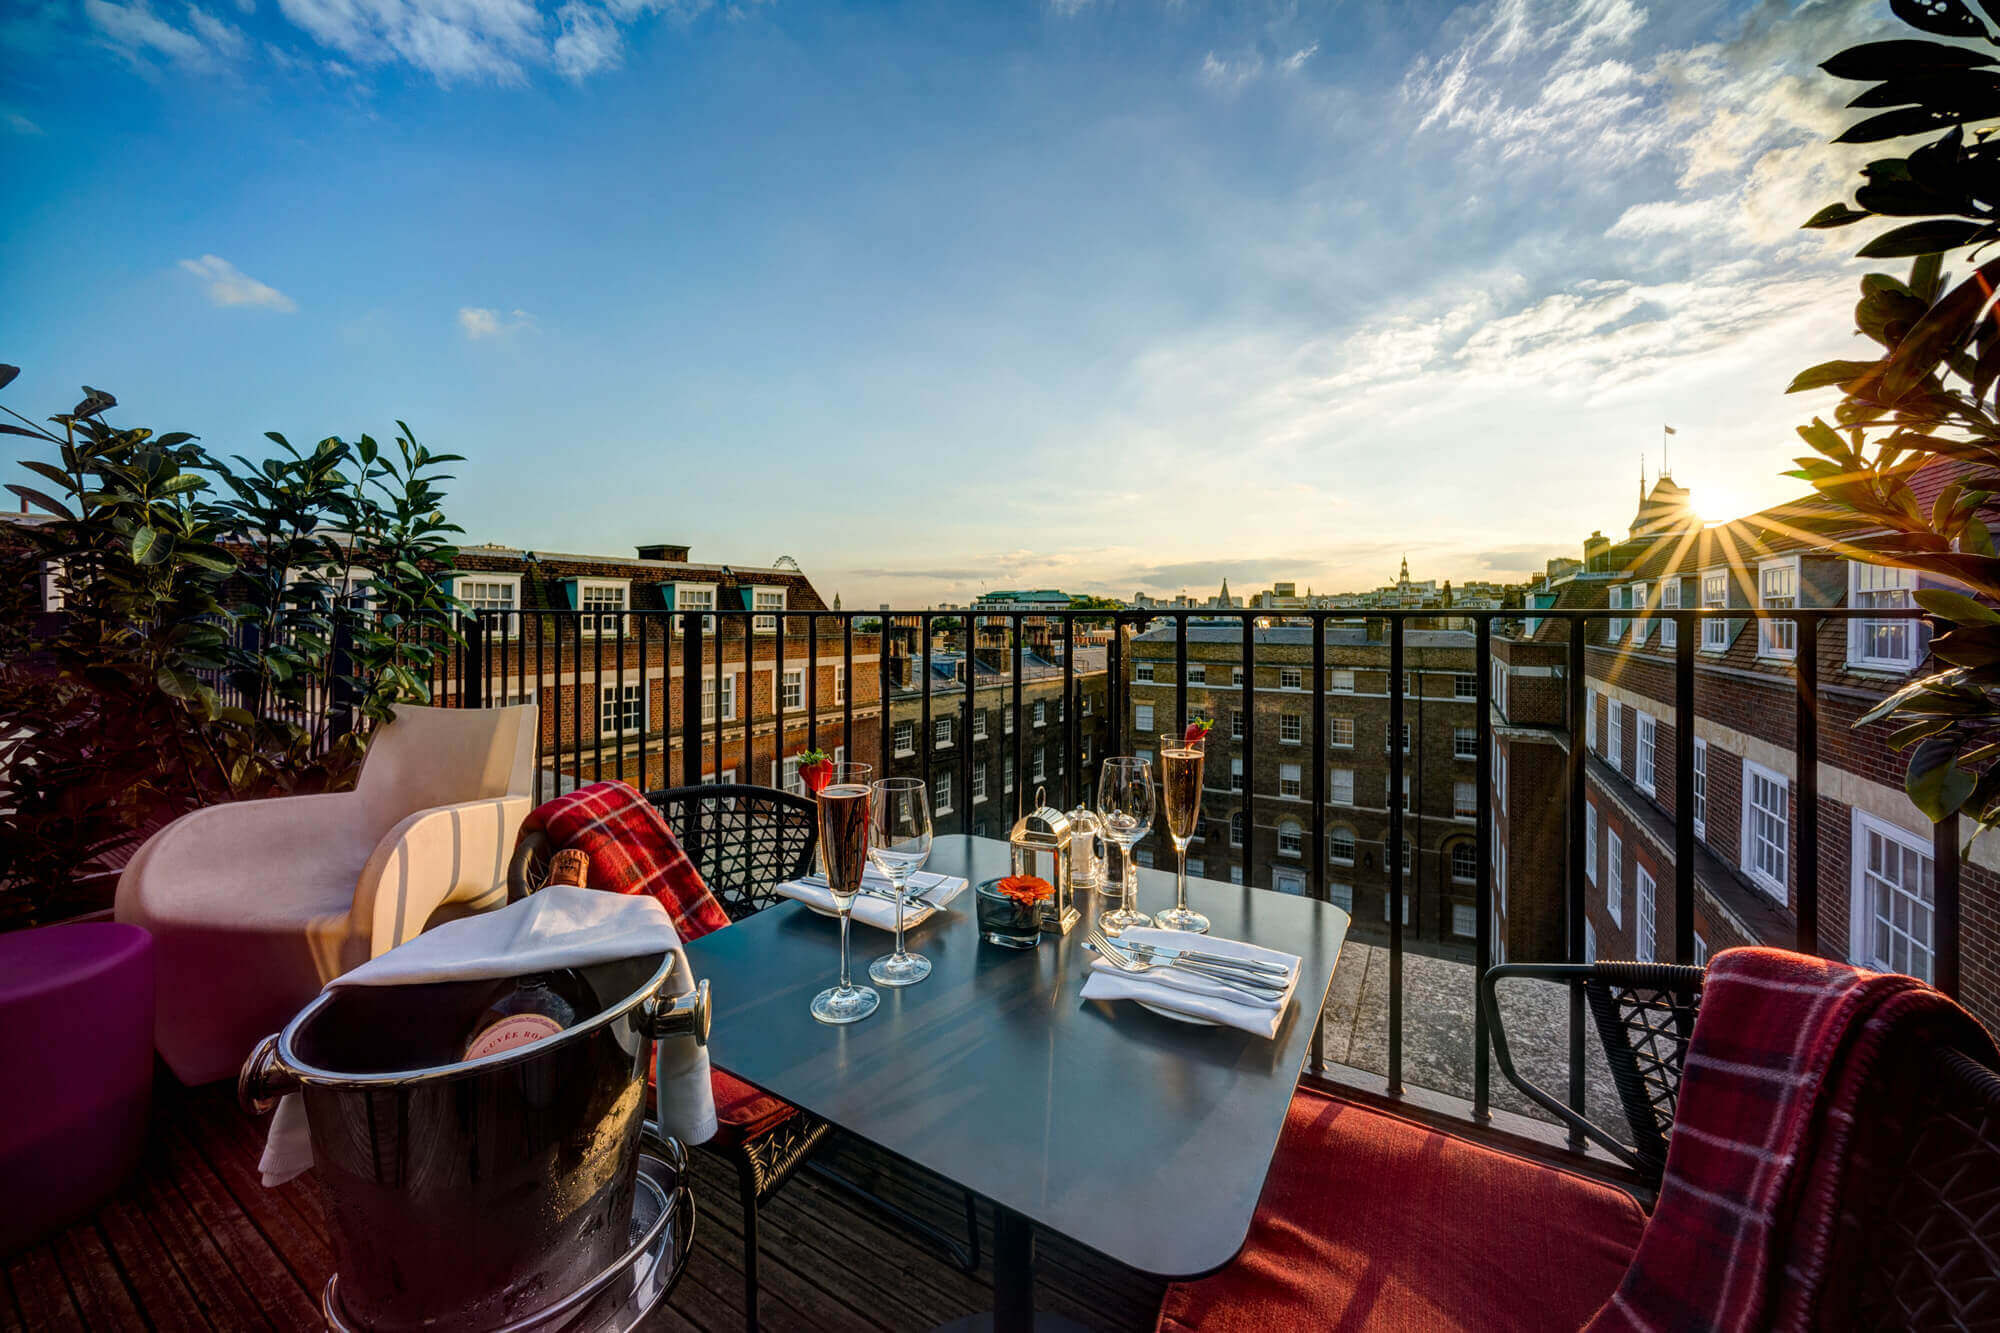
column 899, row 841
column 1125, row 803
column 843, row 837
column 1180, row 775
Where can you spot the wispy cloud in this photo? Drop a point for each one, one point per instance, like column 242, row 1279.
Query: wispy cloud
column 590, row 40
column 17, row 123
column 229, row 286
column 141, row 34
column 480, row 322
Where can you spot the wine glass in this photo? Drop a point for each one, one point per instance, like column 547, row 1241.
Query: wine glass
column 899, row 841
column 843, row 837
column 1180, row 776
column 1125, row 804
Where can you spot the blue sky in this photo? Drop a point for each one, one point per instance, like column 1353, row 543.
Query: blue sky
column 1110, row 296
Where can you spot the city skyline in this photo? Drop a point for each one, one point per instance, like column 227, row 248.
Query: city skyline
column 1073, row 296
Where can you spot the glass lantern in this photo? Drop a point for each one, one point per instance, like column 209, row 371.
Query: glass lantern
column 1086, row 849
column 1041, row 845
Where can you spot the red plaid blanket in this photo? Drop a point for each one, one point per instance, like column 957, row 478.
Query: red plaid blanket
column 1791, row 1074
column 631, row 850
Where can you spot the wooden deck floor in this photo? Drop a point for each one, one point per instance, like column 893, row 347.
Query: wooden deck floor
column 195, row 1241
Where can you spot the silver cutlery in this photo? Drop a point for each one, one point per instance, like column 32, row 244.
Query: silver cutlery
column 911, row 896
column 1275, row 973
column 1260, row 992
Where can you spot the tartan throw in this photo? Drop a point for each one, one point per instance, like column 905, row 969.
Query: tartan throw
column 631, row 850
column 1793, row 1072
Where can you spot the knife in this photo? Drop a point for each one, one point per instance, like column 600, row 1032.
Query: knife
column 1257, row 967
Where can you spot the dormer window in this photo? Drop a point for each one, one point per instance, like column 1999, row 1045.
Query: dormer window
column 1670, row 600
column 1617, row 622
column 767, row 600
column 1635, row 599
column 1714, row 596
column 1884, row 645
column 1778, row 590
column 499, row 594
column 603, row 601
column 696, row 597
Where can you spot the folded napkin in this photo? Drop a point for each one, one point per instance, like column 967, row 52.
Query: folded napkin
column 881, row 912
column 562, row 926
column 1188, row 993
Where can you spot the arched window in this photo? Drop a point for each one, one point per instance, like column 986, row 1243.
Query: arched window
column 1464, row 862
column 1291, row 838
column 1236, row 828
column 1406, row 855
column 1340, row 845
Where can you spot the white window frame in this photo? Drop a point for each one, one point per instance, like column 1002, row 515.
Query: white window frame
column 1465, row 743
column 1340, row 680
column 1590, row 870
column 941, row 733
column 1291, row 838
column 1881, row 645
column 1340, row 733
column 1464, row 920
column 1862, row 915
column 1700, row 788
column 1500, row 683
column 1642, row 912
column 979, row 724
column 1335, row 837
column 1286, row 880
column 1236, row 773
column 599, row 620
column 1465, row 800
column 941, row 792
column 1464, row 685
column 765, row 621
column 704, row 600
column 1235, row 724
column 1670, row 600
column 1142, row 719
column 1291, row 678
column 1041, row 763
column 1341, row 896
column 609, row 697
column 792, row 690
column 727, row 695
column 1291, row 782
column 1041, row 714
column 1236, row 676
column 1615, row 627
column 979, row 784
column 1237, row 828
column 1471, row 851
column 1614, row 733
column 463, row 582
column 1142, row 671
column 903, row 740
column 1645, row 762
column 1635, row 600
column 1751, row 839
column 1778, row 638
column 1714, row 596
column 1590, row 721
column 1614, row 877
column 1291, row 729
column 1197, row 674
column 1340, row 786
column 840, row 683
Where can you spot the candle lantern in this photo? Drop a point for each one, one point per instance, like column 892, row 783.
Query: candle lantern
column 1041, row 846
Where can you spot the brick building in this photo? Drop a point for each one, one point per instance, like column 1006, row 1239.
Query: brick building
column 1272, row 847
column 1876, row 874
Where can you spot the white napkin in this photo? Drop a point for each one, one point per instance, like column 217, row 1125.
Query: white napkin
column 562, row 926
column 881, row 912
column 1185, row 992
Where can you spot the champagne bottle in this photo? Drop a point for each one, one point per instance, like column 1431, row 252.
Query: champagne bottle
column 526, row 1009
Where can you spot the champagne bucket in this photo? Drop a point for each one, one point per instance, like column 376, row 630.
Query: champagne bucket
column 471, row 1194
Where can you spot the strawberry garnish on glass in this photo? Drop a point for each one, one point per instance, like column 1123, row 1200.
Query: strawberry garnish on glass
column 815, row 769
column 1198, row 729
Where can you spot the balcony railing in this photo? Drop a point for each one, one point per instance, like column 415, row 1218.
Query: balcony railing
column 542, row 654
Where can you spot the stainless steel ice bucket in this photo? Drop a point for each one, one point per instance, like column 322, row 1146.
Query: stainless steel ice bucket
column 468, row 1195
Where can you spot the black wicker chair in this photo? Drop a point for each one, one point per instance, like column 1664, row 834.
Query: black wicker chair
column 746, row 841
column 1920, row 1236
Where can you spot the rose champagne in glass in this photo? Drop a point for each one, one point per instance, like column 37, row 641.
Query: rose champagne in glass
column 1180, row 781
column 843, row 840
column 1125, row 805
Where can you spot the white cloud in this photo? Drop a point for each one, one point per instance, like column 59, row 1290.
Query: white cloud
column 1292, row 63
column 481, row 322
column 1231, row 76
column 227, row 285
column 451, row 40
column 17, row 123
column 136, row 30
column 590, row 41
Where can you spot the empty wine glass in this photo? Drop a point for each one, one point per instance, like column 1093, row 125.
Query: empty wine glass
column 899, row 842
column 843, row 837
column 1125, row 804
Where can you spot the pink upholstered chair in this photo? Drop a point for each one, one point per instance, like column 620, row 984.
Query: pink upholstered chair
column 256, row 905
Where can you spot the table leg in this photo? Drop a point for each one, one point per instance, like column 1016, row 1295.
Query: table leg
column 1013, row 1284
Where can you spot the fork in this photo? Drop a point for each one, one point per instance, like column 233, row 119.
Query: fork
column 1104, row 949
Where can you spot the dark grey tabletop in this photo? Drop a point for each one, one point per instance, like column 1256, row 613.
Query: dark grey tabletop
column 1145, row 1138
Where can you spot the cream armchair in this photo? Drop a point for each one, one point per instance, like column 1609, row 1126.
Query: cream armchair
column 254, row 906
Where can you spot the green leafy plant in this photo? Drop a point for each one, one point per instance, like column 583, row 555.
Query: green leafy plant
column 225, row 631
column 1928, row 392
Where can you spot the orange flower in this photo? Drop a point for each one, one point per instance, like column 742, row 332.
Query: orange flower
column 1026, row 890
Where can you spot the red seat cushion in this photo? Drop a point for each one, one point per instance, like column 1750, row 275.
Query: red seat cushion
column 1369, row 1221
column 743, row 1112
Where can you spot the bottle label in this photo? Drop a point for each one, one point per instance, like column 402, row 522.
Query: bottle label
column 512, row 1034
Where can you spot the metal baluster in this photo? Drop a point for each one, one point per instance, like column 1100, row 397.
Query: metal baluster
column 812, row 682
column 927, row 740
column 1180, row 673
column 1319, row 753
column 1805, row 744
column 1021, row 797
column 746, row 700
column 1249, row 794
column 777, row 702
column 645, row 698
column 1482, row 894
column 1393, row 855
column 1944, row 882
column 692, row 694
column 965, row 723
column 541, row 712
column 1685, row 630
column 1072, row 716
column 576, row 702
column 1573, row 905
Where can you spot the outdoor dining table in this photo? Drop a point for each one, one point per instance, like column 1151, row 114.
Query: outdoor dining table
column 1140, row 1136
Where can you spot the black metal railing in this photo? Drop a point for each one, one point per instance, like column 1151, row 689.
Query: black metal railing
column 537, row 654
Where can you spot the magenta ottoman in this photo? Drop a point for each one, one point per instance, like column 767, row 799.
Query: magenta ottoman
column 76, row 1070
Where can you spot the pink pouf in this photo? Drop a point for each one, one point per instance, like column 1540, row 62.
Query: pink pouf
column 76, row 1070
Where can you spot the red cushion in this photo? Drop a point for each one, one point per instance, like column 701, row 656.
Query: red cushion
column 1372, row 1222
column 743, row 1112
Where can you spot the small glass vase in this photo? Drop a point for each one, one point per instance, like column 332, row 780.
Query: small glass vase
column 1005, row 922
